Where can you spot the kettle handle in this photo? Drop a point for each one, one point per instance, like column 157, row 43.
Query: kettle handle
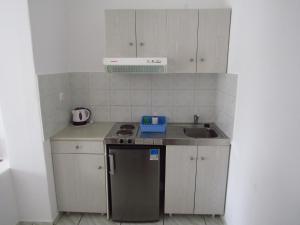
column 88, row 113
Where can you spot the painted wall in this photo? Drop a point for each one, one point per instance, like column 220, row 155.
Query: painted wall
column 264, row 179
column 2, row 138
column 49, row 35
column 19, row 101
column 8, row 206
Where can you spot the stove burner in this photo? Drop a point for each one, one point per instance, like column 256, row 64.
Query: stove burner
column 127, row 127
column 124, row 133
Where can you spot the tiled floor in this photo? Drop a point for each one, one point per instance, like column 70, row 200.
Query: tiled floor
column 96, row 219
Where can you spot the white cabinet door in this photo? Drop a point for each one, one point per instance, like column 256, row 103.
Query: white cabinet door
column 120, row 33
column 213, row 40
column 211, row 180
column 151, row 33
column 182, row 40
column 180, row 179
column 80, row 182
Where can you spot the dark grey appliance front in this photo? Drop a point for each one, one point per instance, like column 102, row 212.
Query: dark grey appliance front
column 134, row 173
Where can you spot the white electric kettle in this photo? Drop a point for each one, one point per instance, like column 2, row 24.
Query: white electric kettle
column 81, row 116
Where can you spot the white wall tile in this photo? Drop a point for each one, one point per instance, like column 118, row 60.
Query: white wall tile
column 79, row 80
column 100, row 113
column 225, row 102
column 80, row 98
column 206, row 113
column 183, row 81
column 162, row 110
column 182, row 114
column 120, row 113
column 205, row 97
column 140, row 82
column 56, row 114
column 161, row 82
column 99, row 97
column 183, row 98
column 120, row 97
column 140, row 97
column 161, row 98
column 139, row 111
column 206, row 82
column 100, row 81
column 120, row 81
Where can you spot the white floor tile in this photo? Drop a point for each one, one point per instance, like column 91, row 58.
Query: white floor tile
column 161, row 222
column 69, row 219
column 184, row 220
column 213, row 221
column 96, row 219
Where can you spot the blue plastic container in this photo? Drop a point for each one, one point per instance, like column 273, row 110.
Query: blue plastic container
column 147, row 126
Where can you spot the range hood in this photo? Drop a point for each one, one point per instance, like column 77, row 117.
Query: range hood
column 135, row 65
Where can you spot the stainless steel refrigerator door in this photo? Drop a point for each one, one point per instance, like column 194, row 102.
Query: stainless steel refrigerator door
column 134, row 183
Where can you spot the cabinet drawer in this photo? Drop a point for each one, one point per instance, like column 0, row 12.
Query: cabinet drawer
column 95, row 147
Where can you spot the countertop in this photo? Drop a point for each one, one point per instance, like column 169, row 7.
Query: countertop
column 90, row 132
column 174, row 135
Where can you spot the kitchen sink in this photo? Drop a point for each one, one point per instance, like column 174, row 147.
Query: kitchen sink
column 200, row 132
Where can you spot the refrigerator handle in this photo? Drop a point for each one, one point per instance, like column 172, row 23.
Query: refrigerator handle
column 111, row 164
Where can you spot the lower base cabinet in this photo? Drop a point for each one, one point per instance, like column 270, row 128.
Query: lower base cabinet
column 196, row 179
column 80, row 182
column 211, row 179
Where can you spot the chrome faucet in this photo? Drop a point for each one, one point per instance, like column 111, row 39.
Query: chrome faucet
column 196, row 119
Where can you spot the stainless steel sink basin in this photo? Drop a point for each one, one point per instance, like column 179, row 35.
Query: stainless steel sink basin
column 200, row 132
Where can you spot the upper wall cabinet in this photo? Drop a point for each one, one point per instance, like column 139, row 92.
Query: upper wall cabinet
column 213, row 38
column 192, row 40
column 120, row 33
column 151, row 33
column 182, row 40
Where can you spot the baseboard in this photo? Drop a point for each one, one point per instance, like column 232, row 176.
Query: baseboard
column 59, row 215
column 223, row 220
column 35, row 223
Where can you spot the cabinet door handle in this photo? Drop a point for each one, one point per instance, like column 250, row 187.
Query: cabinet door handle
column 142, row 44
column 100, row 167
column 202, row 158
column 192, row 158
column 191, row 60
column 131, row 43
column 202, row 60
column 77, row 147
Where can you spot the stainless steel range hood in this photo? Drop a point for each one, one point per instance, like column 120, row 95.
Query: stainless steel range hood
column 135, row 65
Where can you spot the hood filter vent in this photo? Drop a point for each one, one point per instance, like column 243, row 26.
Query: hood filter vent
column 135, row 65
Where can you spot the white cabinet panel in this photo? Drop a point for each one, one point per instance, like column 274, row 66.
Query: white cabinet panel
column 213, row 38
column 182, row 40
column 80, row 182
column 120, row 33
column 180, row 179
column 211, row 180
column 151, row 33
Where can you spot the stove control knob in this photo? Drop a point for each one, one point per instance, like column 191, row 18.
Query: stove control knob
column 121, row 141
column 129, row 141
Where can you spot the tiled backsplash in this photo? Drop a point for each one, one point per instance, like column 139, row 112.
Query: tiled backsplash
column 226, row 99
column 55, row 111
column 126, row 97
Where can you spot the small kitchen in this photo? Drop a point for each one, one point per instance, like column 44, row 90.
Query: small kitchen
column 145, row 136
column 171, row 112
